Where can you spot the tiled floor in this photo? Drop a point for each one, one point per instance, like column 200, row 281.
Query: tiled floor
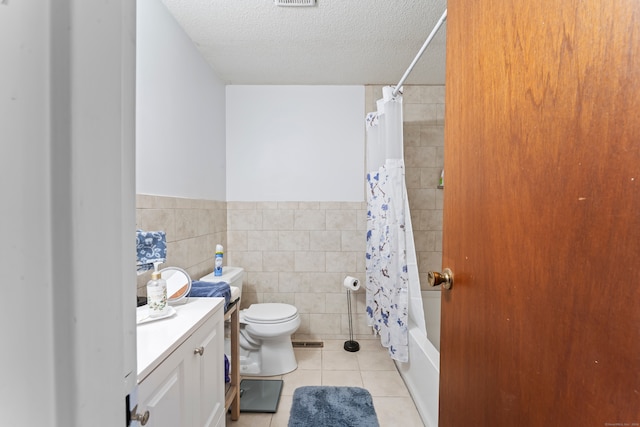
column 370, row 368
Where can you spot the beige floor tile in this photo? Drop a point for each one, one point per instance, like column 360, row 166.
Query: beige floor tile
column 333, row 345
column 370, row 368
column 250, row 420
column 372, row 345
column 308, row 358
column 281, row 418
column 342, row 378
column 396, row 411
column 384, row 383
column 339, row 361
column 299, row 378
column 371, row 360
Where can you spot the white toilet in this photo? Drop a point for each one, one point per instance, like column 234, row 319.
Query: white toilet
column 265, row 331
column 265, row 339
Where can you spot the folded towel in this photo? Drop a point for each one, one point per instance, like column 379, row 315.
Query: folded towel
column 151, row 247
column 210, row 289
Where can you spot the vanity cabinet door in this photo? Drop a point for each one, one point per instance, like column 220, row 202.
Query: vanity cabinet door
column 162, row 393
column 208, row 384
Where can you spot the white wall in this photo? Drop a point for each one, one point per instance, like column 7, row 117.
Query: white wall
column 295, row 143
column 66, row 181
column 180, row 123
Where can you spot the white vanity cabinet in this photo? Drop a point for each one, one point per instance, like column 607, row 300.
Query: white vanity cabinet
column 181, row 366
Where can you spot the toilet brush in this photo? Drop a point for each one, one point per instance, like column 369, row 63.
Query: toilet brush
column 350, row 345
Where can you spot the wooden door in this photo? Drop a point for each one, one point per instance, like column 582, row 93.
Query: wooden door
column 542, row 214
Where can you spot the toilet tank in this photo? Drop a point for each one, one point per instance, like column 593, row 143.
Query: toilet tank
column 234, row 276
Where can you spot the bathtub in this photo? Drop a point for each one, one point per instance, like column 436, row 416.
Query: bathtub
column 421, row 374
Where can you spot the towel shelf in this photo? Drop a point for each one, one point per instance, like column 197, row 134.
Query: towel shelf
column 232, row 395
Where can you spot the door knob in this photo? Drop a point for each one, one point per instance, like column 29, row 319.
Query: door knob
column 199, row 350
column 445, row 278
column 142, row 418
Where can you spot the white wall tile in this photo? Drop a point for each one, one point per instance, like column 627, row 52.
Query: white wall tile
column 353, row 241
column 244, row 220
column 341, row 261
column 309, row 303
column 293, row 240
column 278, row 261
column 309, row 220
column 337, row 302
column 341, row 219
column 324, row 323
column 266, row 282
column 238, row 240
column 249, row 260
column 310, row 261
column 290, row 281
column 277, row 219
column 259, row 240
column 325, row 240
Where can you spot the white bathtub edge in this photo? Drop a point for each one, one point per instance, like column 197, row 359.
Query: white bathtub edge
column 422, row 376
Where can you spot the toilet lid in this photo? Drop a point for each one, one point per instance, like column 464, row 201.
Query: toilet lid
column 270, row 312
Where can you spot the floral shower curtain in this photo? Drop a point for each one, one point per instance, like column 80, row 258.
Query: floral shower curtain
column 388, row 271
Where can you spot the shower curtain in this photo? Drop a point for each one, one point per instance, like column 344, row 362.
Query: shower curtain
column 391, row 266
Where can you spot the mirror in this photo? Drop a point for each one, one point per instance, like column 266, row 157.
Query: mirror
column 178, row 284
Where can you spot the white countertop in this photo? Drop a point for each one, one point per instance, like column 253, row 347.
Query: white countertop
column 158, row 339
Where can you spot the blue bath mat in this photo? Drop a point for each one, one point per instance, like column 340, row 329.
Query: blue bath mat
column 323, row 406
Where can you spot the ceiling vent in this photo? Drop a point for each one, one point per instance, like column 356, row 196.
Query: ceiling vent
column 295, row 2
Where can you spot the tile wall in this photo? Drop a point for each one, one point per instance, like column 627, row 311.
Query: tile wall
column 193, row 228
column 423, row 114
column 300, row 252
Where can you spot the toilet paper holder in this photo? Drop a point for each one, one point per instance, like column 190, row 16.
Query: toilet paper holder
column 352, row 284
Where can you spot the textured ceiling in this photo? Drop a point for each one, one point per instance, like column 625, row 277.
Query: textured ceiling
column 335, row 42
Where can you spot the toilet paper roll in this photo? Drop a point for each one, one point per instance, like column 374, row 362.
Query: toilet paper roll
column 351, row 283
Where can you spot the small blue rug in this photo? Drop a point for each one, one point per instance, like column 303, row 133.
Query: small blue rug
column 323, row 406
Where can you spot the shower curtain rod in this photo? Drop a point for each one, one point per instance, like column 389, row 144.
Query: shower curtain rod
column 424, row 46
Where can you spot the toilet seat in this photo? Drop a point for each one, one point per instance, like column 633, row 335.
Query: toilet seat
column 269, row 313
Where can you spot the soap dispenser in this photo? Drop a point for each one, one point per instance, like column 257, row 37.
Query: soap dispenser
column 157, row 293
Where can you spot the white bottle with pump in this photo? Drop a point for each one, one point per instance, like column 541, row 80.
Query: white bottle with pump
column 157, row 294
